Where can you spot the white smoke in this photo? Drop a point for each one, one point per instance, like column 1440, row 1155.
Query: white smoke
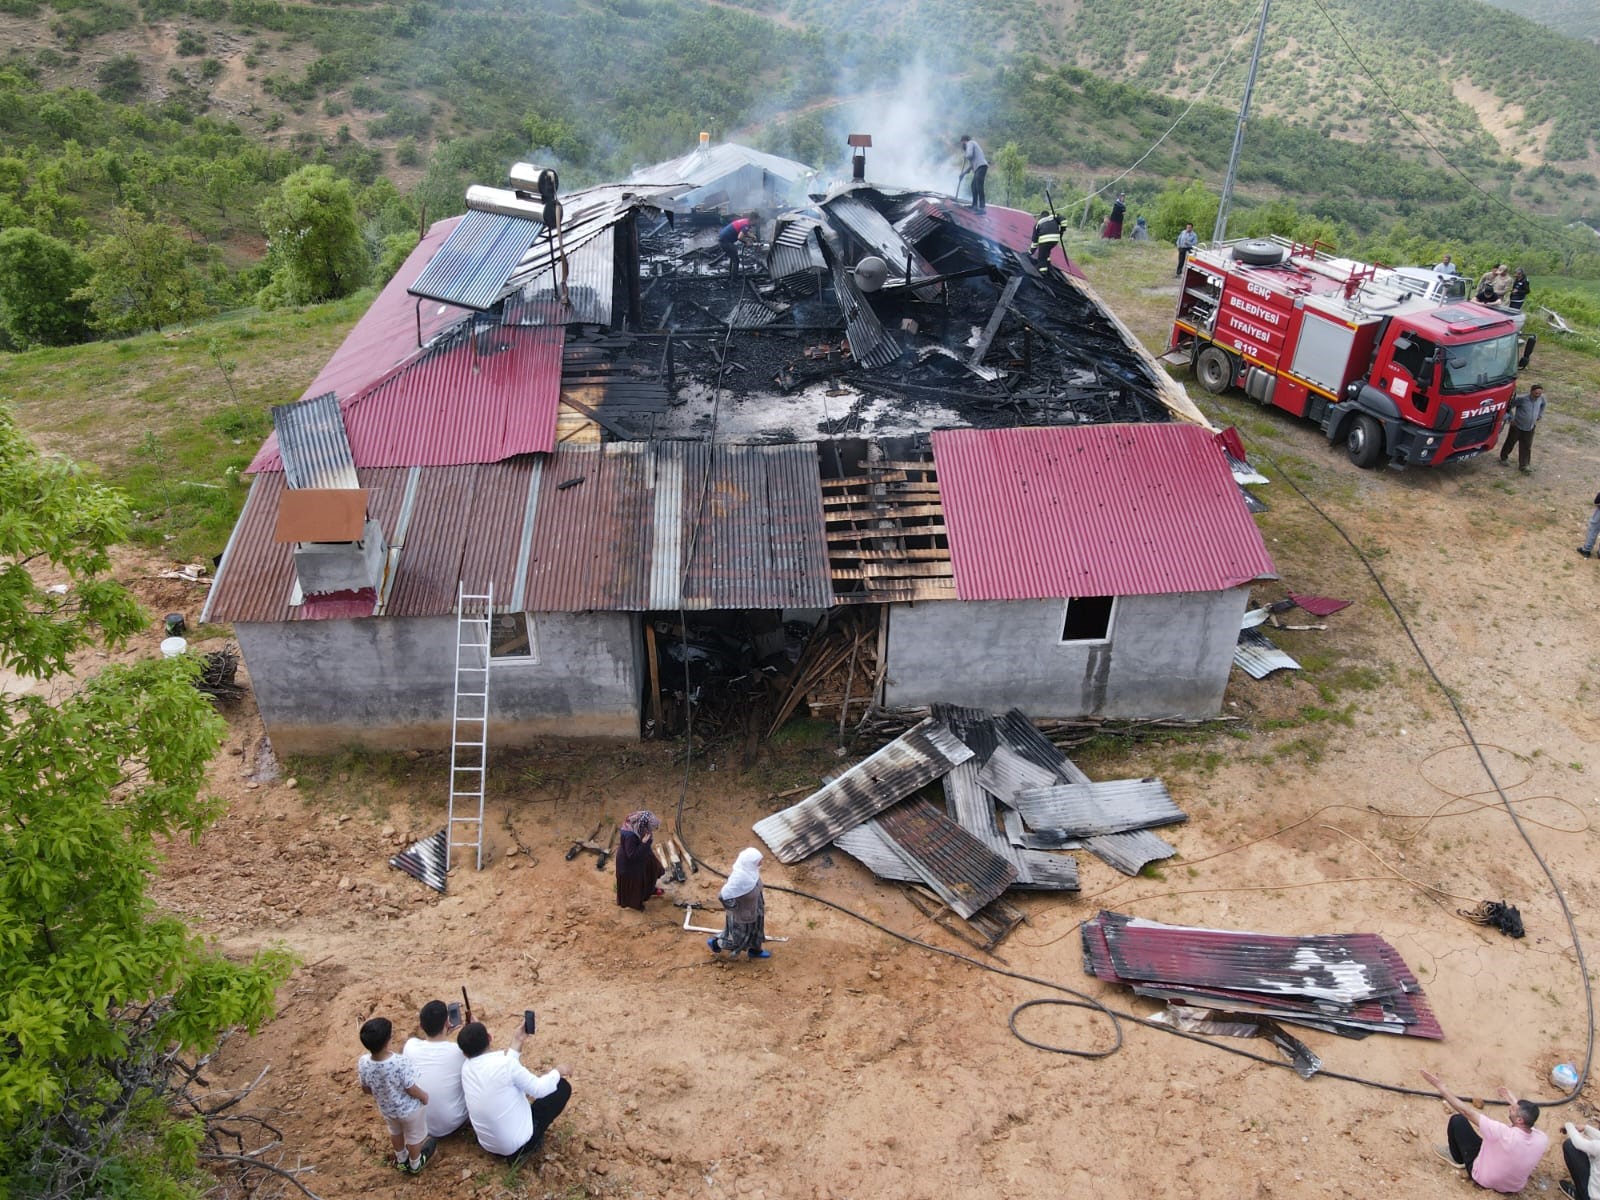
column 914, row 146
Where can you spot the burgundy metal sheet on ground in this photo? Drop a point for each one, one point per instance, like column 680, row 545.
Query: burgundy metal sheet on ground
column 429, row 567
column 591, row 540
column 1250, row 962
column 1130, row 509
column 1320, row 606
column 967, row 869
column 257, row 573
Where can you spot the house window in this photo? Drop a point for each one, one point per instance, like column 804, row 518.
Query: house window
column 513, row 638
column 1087, row 619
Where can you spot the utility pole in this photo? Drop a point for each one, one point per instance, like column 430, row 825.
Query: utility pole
column 1221, row 230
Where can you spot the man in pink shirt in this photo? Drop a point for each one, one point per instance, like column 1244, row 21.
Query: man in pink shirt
column 1496, row 1155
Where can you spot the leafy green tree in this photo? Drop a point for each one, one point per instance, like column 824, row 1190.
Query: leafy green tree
column 1013, row 167
column 140, row 277
column 314, row 234
column 1177, row 206
column 39, row 278
column 102, row 988
column 120, row 78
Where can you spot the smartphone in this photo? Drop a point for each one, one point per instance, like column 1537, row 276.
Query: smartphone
column 527, row 1020
column 453, row 1014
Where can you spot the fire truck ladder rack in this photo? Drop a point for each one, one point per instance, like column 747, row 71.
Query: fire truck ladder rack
column 469, row 724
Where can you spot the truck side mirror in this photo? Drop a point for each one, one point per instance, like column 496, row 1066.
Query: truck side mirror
column 1403, row 343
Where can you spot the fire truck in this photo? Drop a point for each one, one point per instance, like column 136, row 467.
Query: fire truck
column 1383, row 360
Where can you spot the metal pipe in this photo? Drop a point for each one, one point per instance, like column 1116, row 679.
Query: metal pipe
column 1220, row 232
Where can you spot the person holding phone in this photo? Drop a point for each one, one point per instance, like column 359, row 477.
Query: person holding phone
column 510, row 1107
column 439, row 1061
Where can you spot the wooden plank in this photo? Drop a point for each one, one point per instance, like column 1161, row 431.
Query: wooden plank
column 893, row 496
column 905, row 510
column 864, row 480
column 868, row 535
column 993, row 327
column 924, row 467
column 933, row 554
column 896, row 571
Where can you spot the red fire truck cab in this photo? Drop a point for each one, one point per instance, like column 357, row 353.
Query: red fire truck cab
column 1378, row 361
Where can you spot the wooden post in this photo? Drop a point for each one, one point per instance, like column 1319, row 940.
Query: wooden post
column 655, row 675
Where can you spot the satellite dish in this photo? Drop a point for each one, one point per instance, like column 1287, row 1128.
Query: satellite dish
column 871, row 273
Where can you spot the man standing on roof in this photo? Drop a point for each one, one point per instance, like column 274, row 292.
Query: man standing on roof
column 976, row 165
column 738, row 230
column 1496, row 1155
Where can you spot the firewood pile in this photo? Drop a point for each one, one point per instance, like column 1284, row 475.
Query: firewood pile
column 839, row 672
column 218, row 675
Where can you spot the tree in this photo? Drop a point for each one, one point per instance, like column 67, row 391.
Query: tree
column 314, row 237
column 103, row 990
column 39, row 279
column 140, row 277
column 1013, row 167
column 1177, row 206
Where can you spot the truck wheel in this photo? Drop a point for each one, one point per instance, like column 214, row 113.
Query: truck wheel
column 1258, row 252
column 1364, row 442
column 1214, row 370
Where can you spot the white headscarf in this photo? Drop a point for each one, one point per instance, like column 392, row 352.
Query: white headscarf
column 745, row 875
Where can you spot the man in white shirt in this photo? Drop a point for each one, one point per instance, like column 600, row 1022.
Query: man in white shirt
column 510, row 1106
column 438, row 1061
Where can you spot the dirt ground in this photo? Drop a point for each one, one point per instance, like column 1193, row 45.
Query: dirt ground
column 855, row 1065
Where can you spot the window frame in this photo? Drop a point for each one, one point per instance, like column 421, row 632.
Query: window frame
column 1103, row 639
column 529, row 655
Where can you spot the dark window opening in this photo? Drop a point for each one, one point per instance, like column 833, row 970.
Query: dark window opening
column 511, row 635
column 1088, row 619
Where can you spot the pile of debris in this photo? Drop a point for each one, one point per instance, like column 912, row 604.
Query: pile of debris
column 1013, row 803
column 1346, row 983
column 1256, row 655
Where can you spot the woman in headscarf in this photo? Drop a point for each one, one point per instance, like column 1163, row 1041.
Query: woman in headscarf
column 745, row 926
column 637, row 867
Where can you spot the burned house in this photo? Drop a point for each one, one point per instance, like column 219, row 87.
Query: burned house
column 679, row 480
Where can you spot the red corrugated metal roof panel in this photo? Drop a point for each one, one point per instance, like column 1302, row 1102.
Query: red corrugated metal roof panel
column 386, row 335
column 257, row 573
column 1093, row 510
column 478, row 396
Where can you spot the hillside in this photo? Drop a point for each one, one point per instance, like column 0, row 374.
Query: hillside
column 1575, row 18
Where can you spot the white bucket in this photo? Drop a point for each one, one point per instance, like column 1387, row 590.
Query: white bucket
column 173, row 646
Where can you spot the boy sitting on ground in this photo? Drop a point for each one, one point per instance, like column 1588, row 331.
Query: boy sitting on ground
column 392, row 1081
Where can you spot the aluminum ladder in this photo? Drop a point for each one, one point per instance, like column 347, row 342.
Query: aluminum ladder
column 469, row 724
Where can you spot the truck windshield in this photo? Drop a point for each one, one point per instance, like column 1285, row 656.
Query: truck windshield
column 1479, row 364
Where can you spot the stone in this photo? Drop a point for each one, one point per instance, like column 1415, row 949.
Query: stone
column 291, row 782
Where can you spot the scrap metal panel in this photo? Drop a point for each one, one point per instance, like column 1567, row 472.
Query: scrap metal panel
column 1129, row 851
column 1007, row 773
column 1048, row 872
column 1023, row 736
column 961, row 870
column 917, row 757
column 471, row 268
column 1258, row 657
column 871, row 346
column 1087, row 809
column 313, row 444
column 870, row 227
column 871, row 847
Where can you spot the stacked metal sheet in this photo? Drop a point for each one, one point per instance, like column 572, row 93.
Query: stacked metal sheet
column 1348, row 983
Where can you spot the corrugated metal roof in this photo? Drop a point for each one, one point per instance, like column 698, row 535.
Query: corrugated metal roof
column 482, row 393
column 1131, row 850
column 1258, row 657
column 870, row 344
column 387, row 333
column 586, row 215
column 1023, row 736
column 1087, row 809
column 471, row 268
column 1008, row 773
column 624, row 537
column 1010, row 227
column 872, row 228
column 914, row 759
column 706, row 165
column 313, row 444
column 591, row 270
column 1125, row 509
column 870, row 846
column 961, row 870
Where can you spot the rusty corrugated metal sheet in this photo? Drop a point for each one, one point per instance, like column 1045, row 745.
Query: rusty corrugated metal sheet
column 622, row 539
column 313, row 444
column 257, row 573
column 964, row 872
column 917, row 757
column 870, row 846
column 870, row 227
column 1125, row 510
column 443, row 517
column 471, row 268
column 870, row 344
column 483, row 393
column 1130, row 851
